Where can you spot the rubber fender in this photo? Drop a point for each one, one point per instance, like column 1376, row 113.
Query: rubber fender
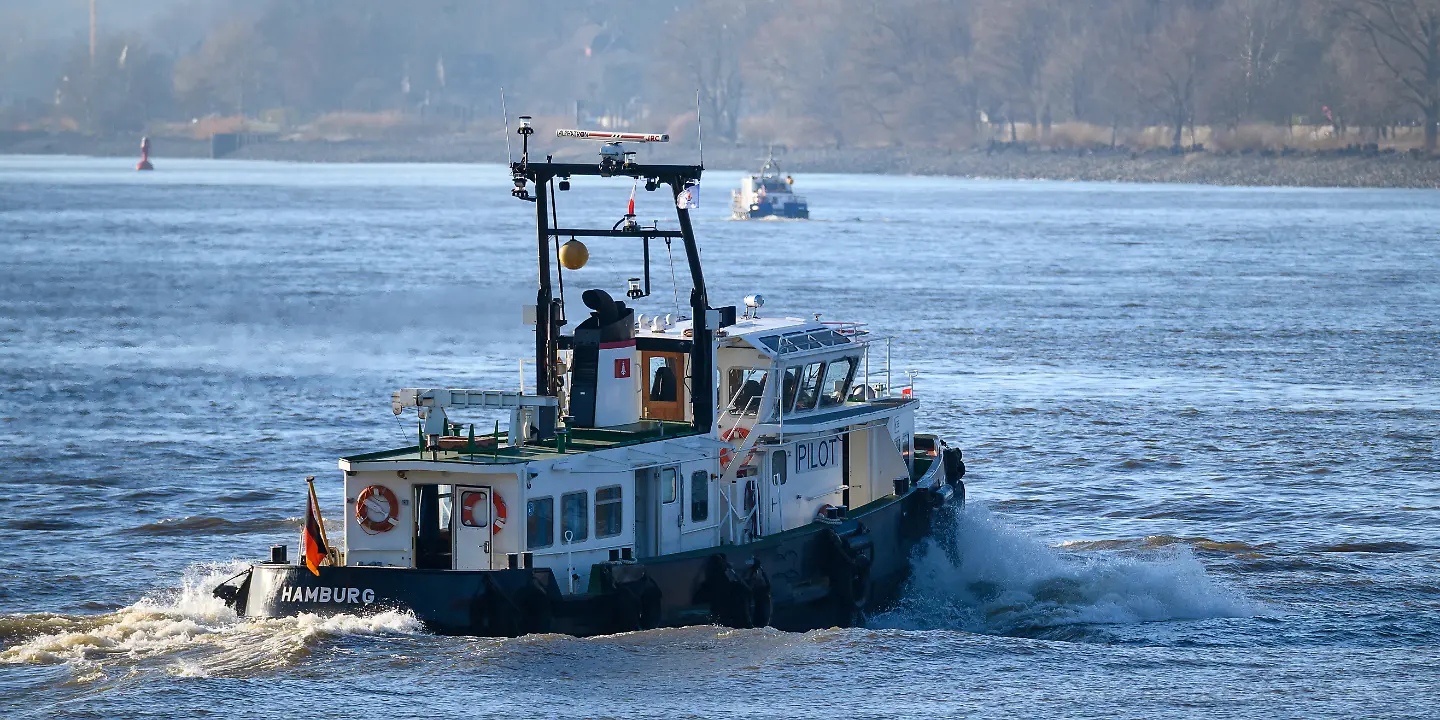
column 954, row 462
column 730, row 597
column 536, row 613
column 762, row 604
column 636, row 605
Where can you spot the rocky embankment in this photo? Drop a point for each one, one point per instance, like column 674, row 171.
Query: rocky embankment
column 1326, row 169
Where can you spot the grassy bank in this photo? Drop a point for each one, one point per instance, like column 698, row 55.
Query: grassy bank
column 1299, row 169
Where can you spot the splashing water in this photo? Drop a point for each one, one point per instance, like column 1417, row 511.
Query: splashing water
column 981, row 575
column 185, row 631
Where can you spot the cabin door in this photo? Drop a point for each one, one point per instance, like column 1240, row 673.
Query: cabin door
column 657, row 511
column 672, row 513
column 472, row 527
column 664, row 392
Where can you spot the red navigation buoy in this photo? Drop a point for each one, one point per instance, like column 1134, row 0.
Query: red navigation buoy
column 144, row 163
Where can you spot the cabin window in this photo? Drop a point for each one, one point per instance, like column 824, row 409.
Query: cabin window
column 787, row 390
column 539, row 523
column 668, row 486
column 837, row 378
column 699, row 495
column 779, row 466
column 809, row 389
column 608, row 511
column 746, row 386
column 574, row 517
column 474, row 508
column 662, row 379
column 446, row 491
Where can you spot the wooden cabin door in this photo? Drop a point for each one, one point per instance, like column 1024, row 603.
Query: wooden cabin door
column 472, row 527
column 664, row 386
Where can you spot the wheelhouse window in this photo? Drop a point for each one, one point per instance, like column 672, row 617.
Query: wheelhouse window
column 668, row 486
column 574, row 517
column 662, row 374
column 539, row 523
column 837, row 379
column 699, row 495
column 608, row 511
column 787, row 390
column 809, row 389
column 745, row 387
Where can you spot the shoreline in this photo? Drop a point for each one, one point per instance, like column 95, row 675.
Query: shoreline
column 1319, row 170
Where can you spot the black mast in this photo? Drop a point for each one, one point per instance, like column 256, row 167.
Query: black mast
column 702, row 395
column 702, row 381
column 546, row 349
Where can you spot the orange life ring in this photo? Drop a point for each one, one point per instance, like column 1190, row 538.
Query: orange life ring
column 728, row 454
column 377, row 509
column 497, row 516
column 498, row 523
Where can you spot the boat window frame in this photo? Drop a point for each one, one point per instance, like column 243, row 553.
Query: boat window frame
column 583, row 516
column 743, row 374
column 673, row 486
column 465, row 494
column 814, row 391
column 530, row 504
column 618, row 505
column 838, row 399
column 701, row 498
column 784, row 465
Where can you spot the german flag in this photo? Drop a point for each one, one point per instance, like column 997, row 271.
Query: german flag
column 313, row 545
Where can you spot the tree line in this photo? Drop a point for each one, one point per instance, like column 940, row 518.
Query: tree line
column 836, row 73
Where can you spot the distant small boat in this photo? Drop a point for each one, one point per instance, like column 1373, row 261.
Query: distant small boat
column 769, row 194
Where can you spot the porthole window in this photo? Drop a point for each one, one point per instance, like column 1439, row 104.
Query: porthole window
column 474, row 508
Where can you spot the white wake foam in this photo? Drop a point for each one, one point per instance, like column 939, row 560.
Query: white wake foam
column 995, row 579
column 185, row 631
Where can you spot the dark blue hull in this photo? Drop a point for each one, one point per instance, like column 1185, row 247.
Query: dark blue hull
column 793, row 211
column 820, row 575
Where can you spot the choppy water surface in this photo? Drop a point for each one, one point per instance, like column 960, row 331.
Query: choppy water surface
column 1200, row 425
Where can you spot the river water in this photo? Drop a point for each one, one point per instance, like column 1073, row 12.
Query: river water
column 1200, row 425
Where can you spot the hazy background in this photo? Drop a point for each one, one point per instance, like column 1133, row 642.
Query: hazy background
column 1228, row 74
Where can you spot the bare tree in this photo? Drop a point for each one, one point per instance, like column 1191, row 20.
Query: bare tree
column 705, row 50
column 1405, row 37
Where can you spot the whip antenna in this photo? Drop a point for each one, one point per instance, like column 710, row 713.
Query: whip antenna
column 699, row 129
column 509, row 159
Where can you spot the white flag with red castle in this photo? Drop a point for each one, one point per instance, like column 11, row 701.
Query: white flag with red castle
column 689, row 197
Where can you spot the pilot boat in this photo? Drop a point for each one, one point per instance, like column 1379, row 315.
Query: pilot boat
column 767, row 195
column 722, row 466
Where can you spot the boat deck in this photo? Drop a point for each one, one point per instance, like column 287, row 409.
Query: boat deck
column 573, row 442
